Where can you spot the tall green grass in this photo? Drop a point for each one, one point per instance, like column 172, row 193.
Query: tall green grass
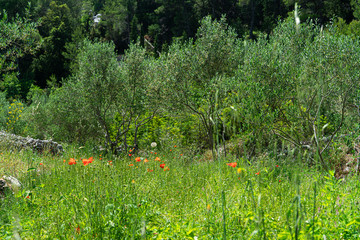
column 109, row 199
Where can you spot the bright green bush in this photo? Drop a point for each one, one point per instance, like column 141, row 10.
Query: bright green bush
column 167, row 130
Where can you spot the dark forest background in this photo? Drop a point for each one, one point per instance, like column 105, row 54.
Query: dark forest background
column 63, row 25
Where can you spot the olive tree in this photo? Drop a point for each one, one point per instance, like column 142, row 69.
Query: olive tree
column 299, row 85
column 139, row 97
column 118, row 95
column 197, row 73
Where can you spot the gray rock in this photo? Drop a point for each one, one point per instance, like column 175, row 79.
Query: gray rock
column 9, row 185
column 38, row 145
column 5, row 188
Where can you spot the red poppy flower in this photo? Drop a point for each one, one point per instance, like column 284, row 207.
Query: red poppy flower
column 28, row 197
column 130, row 154
column 277, row 166
column 72, row 161
column 41, row 163
column 138, row 159
column 174, row 146
column 86, row 161
column 258, row 173
column 78, row 230
column 233, row 164
column 162, row 165
column 131, row 165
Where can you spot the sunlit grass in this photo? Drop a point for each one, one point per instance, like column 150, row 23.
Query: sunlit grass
column 12, row 163
column 130, row 197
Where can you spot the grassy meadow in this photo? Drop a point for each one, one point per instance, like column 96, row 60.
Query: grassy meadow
column 167, row 194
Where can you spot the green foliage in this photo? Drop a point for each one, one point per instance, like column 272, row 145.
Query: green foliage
column 352, row 29
column 56, row 29
column 60, row 117
column 11, row 85
column 174, row 19
column 114, row 21
column 355, row 5
column 108, row 98
column 14, row 117
column 84, row 99
column 18, row 37
column 65, row 23
column 139, row 99
column 338, row 8
column 266, row 81
column 4, row 107
column 295, row 85
column 168, row 130
column 289, row 82
column 14, row 8
column 198, row 74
